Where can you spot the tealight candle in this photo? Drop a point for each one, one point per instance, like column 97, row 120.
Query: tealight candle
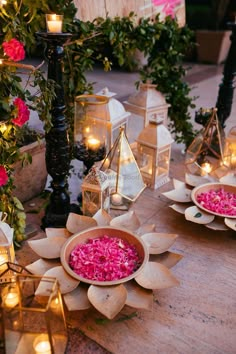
column 42, row 345
column 11, row 299
column 54, row 23
column 206, row 167
column 116, row 199
column 93, row 143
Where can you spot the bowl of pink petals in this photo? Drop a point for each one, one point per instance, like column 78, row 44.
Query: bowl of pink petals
column 104, row 256
column 216, row 198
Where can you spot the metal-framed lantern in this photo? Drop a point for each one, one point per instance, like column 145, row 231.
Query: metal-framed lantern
column 230, row 149
column 148, row 103
column 95, row 192
column 205, row 155
column 153, row 153
column 7, row 253
column 90, row 131
column 125, row 180
column 33, row 316
column 115, row 116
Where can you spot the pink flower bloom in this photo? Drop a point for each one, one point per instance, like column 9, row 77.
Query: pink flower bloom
column 169, row 6
column 22, row 111
column 14, row 49
column 3, row 176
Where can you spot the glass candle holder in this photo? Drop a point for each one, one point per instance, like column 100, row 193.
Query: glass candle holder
column 33, row 316
column 54, row 23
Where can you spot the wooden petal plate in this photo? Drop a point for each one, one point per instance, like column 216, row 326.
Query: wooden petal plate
column 146, row 228
column 77, row 299
column 77, row 223
column 158, row 242
column 52, row 231
column 168, row 259
column 198, row 216
column 41, row 266
column 108, row 300
column 180, row 195
column 67, row 283
column 128, row 221
column 156, row 276
column 231, row 223
column 49, row 247
column 138, row 297
column 102, row 218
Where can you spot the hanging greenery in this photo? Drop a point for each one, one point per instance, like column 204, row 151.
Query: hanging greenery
column 107, row 40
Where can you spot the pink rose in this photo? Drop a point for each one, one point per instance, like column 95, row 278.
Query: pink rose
column 14, row 49
column 3, row 176
column 22, row 111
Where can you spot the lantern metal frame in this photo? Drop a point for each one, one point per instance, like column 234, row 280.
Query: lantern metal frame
column 205, row 155
column 33, row 316
column 95, row 192
column 153, row 153
column 148, row 103
column 116, row 116
column 89, row 140
column 123, row 172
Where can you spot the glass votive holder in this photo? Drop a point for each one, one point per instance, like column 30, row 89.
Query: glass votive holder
column 54, row 23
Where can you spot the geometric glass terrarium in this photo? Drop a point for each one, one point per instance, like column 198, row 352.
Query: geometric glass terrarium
column 205, row 155
column 125, row 179
column 95, row 192
column 33, row 316
column 7, row 253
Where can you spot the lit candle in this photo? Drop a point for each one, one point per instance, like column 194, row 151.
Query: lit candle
column 206, row 167
column 42, row 345
column 116, row 199
column 3, row 258
column 54, row 23
column 93, row 143
column 11, row 299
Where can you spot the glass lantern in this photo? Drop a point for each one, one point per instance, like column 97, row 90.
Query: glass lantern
column 230, row 149
column 90, row 131
column 148, row 103
column 124, row 176
column 205, row 155
column 33, row 316
column 116, row 116
column 153, row 153
column 7, row 253
column 95, row 192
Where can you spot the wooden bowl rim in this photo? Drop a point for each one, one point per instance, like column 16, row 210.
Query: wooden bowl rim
column 206, row 187
column 70, row 241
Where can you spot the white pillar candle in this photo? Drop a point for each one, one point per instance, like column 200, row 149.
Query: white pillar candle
column 54, row 23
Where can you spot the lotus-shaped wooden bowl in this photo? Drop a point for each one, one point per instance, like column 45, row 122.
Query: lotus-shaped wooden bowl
column 96, row 232
column 204, row 188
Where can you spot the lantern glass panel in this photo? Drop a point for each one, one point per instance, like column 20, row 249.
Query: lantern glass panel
column 33, row 316
column 163, row 162
column 91, row 202
column 90, row 129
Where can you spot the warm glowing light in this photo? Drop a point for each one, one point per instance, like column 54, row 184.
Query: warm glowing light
column 42, row 345
column 93, row 143
column 206, row 167
column 54, row 23
column 11, row 299
column 1, row 61
column 3, row 258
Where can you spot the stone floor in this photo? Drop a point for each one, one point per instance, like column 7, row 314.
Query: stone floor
column 204, row 80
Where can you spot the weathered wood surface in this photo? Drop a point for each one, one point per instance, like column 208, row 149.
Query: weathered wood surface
column 199, row 316
column 88, row 10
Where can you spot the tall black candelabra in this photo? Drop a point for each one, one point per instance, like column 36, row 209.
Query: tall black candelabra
column 57, row 141
column 226, row 90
